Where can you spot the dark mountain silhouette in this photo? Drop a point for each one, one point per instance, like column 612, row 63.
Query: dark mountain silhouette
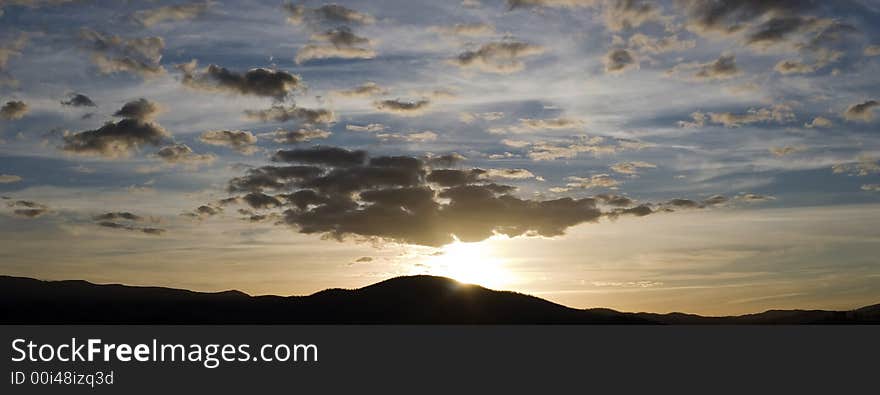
column 401, row 300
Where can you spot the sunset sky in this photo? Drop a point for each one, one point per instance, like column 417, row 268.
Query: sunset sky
column 714, row 157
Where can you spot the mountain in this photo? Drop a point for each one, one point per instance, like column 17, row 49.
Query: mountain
column 401, row 300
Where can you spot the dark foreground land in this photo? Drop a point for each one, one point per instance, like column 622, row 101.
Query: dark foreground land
column 402, row 300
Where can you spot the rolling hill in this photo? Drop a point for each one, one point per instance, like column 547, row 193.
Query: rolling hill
column 401, row 300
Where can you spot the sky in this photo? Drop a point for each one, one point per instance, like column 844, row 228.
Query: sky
column 715, row 157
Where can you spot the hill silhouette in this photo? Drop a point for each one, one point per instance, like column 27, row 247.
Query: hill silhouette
column 401, row 300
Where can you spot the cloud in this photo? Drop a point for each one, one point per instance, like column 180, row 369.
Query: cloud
column 27, row 208
column 469, row 117
column 871, row 50
column 445, row 160
column 325, row 156
column 631, row 168
column 329, row 14
column 118, row 139
column 510, row 174
column 180, row 12
column 12, row 110
column 594, row 181
column 122, row 215
column 465, row 29
column 864, row 166
column 515, row 4
column 11, row 49
column 619, row 60
column 793, row 67
column 239, row 140
column 340, row 193
column 9, row 178
column 297, row 136
column 629, row 14
column 779, row 113
column 614, row 200
column 720, row 69
column 786, row 150
column 539, row 124
column 753, row 198
column 78, row 100
column 113, row 54
column 183, row 154
column 366, row 90
column 400, row 107
column 131, row 228
column 256, row 82
column 644, row 43
column 373, row 127
column 363, row 259
column 280, row 113
column 339, row 42
column 272, row 178
column 141, row 109
column 871, row 187
column 819, row 122
column 420, row 137
column 544, row 150
column 862, row 111
column 733, row 16
column 498, row 57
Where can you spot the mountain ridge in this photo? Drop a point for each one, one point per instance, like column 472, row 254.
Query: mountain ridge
column 400, row 300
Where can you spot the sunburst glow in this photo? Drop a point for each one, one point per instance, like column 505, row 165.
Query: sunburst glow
column 472, row 263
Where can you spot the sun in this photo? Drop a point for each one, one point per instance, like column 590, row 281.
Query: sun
column 472, row 263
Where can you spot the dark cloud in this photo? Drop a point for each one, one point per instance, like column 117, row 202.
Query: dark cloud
column 618, row 60
column 279, row 113
column 257, row 82
column 272, row 177
column 118, row 139
column 862, row 111
column 179, row 12
column 79, row 100
column 115, row 139
column 239, row 140
column 450, row 177
column 498, row 57
column 329, row 14
column 397, row 106
column 343, row 193
column 363, row 259
column 366, row 90
column 12, row 110
column 723, row 68
column 515, row 4
column 122, row 215
column 131, row 228
column 112, row 53
column 778, row 29
column 339, row 42
column 731, row 16
column 260, row 200
column 182, row 154
column 140, row 109
column 27, row 208
column 615, row 200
